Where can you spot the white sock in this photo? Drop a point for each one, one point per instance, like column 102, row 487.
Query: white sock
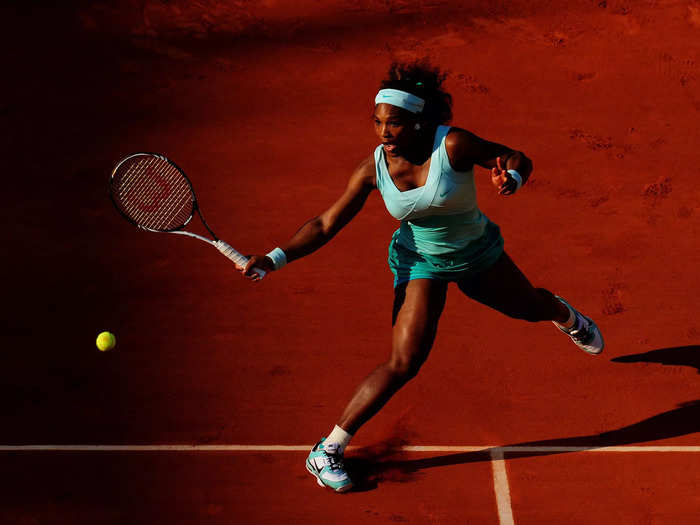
column 338, row 439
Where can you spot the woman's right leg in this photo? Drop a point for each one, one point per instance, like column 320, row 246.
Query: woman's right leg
column 418, row 305
column 417, row 308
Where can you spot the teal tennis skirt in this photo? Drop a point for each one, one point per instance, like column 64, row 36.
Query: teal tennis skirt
column 479, row 255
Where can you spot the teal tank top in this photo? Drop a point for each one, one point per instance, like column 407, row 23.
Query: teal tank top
column 442, row 215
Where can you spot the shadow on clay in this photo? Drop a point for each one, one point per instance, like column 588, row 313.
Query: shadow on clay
column 675, row 356
column 370, row 466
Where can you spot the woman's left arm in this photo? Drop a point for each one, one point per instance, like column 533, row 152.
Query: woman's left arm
column 466, row 149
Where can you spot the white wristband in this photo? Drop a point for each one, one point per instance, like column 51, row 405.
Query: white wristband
column 279, row 258
column 518, row 179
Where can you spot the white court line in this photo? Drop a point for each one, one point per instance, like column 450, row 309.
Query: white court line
column 545, row 449
column 305, row 448
column 155, row 448
column 501, row 488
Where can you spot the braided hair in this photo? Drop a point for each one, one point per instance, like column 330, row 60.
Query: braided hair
column 425, row 81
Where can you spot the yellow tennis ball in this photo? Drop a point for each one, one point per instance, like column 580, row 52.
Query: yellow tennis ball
column 106, row 341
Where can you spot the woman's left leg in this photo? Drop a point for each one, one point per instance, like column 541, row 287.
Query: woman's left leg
column 505, row 288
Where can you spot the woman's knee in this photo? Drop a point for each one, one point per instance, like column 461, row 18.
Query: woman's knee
column 416, row 314
column 409, row 352
column 404, row 367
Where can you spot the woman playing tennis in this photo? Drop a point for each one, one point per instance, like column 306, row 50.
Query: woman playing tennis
column 424, row 172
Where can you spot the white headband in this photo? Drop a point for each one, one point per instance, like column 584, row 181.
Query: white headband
column 399, row 98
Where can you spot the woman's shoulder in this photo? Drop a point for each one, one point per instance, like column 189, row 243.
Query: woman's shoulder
column 367, row 164
column 366, row 171
column 459, row 145
column 457, row 136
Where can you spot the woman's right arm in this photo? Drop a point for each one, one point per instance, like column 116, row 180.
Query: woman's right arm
column 321, row 229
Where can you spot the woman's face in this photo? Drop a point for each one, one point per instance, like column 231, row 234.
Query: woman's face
column 394, row 127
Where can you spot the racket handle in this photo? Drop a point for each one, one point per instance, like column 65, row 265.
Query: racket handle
column 236, row 257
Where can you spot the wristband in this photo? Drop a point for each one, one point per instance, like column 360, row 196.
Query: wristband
column 518, row 179
column 278, row 257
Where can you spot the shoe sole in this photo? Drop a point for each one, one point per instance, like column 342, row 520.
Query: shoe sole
column 340, row 490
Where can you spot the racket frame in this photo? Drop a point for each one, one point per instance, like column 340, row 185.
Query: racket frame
column 220, row 245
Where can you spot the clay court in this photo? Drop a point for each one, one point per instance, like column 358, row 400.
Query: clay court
column 206, row 409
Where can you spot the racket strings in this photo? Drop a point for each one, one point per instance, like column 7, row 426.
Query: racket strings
column 154, row 206
column 156, row 189
column 153, row 193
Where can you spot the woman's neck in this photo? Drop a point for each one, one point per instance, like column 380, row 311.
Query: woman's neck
column 422, row 148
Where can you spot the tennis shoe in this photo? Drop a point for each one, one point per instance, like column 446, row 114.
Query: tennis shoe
column 327, row 465
column 584, row 333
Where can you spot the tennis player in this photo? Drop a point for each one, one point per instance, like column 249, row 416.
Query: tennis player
column 424, row 172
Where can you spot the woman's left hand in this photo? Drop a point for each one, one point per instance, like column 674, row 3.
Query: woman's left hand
column 504, row 181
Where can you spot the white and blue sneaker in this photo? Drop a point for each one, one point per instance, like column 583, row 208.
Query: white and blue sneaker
column 584, row 333
column 327, row 465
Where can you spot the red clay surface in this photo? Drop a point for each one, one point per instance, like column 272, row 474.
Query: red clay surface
column 579, row 488
column 267, row 108
column 214, row 488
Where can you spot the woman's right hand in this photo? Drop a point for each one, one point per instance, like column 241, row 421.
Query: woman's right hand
column 256, row 261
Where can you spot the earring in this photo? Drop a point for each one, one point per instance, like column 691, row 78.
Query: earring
column 417, row 126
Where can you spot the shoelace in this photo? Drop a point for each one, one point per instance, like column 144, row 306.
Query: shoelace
column 583, row 333
column 334, row 461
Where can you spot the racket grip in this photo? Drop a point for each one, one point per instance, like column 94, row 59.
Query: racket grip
column 236, row 257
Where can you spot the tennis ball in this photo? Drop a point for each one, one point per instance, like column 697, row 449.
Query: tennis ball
column 106, row 341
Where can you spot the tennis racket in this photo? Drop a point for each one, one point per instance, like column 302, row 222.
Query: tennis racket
column 153, row 193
